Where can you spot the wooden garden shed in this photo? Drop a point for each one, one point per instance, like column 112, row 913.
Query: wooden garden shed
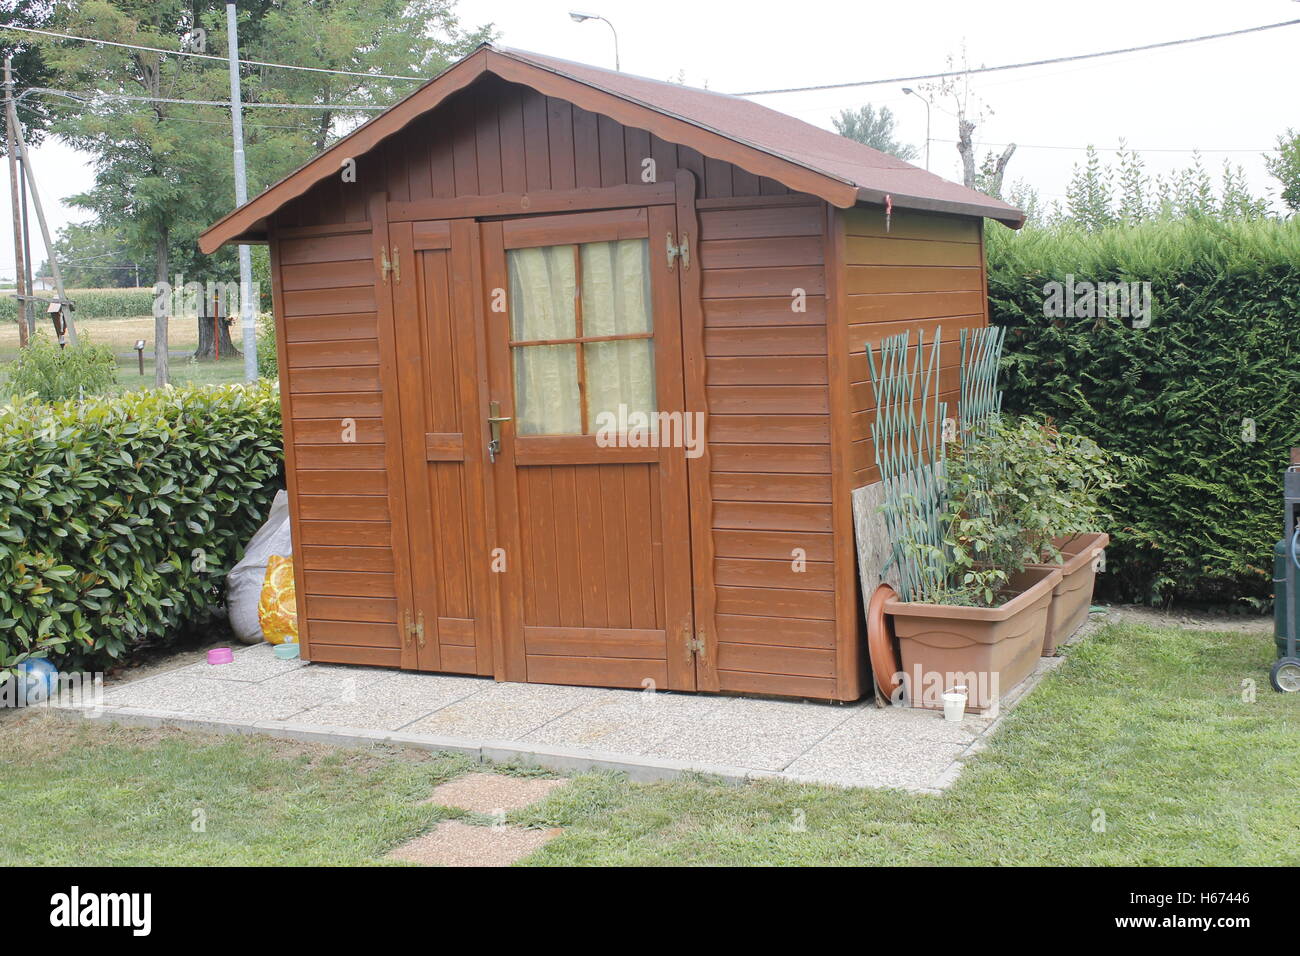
column 540, row 242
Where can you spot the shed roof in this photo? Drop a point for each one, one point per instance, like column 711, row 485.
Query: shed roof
column 763, row 141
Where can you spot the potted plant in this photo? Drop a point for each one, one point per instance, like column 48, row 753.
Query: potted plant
column 1013, row 568
column 1048, row 491
column 975, row 612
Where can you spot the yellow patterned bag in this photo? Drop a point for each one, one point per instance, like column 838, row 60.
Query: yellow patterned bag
column 277, row 610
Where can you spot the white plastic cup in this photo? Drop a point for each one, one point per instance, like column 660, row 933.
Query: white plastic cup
column 954, row 706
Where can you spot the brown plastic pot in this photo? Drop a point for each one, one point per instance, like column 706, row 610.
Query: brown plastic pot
column 1073, row 596
column 989, row 650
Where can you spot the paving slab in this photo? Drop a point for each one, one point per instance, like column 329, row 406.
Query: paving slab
column 254, row 664
column 649, row 735
column 493, row 792
column 505, row 711
column 392, row 702
column 452, row 843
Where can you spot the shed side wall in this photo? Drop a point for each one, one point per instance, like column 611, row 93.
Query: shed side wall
column 925, row 274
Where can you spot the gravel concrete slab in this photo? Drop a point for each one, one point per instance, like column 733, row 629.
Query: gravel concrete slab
column 453, row 843
column 493, row 792
column 647, row 735
column 393, row 702
column 509, row 711
column 758, row 734
column 256, row 663
column 857, row 754
column 630, row 722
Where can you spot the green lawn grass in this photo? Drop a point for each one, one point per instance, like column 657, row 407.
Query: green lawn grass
column 1148, row 725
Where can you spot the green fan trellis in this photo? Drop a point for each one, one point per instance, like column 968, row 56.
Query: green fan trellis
column 910, row 446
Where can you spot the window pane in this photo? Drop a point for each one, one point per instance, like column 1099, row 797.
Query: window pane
column 620, row 373
column 546, row 390
column 616, row 287
column 543, row 284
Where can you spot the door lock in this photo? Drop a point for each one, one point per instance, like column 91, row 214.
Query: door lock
column 495, row 418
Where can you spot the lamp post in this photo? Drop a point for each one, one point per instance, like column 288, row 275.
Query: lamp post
column 909, row 90
column 578, row 17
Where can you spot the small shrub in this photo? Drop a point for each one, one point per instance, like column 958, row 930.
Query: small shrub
column 54, row 374
column 268, row 360
column 119, row 517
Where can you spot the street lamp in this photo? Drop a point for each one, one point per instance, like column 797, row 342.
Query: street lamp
column 578, row 16
column 909, row 90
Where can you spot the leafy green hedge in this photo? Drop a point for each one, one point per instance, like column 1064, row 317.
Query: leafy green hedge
column 119, row 517
column 91, row 304
column 1198, row 520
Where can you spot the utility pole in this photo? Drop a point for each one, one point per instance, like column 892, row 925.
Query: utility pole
column 241, row 197
column 64, row 312
column 20, row 262
column 29, row 312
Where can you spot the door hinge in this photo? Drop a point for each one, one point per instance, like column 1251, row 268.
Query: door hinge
column 389, row 267
column 683, row 252
column 694, row 644
column 414, row 628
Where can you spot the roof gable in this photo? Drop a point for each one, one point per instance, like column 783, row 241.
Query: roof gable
column 762, row 141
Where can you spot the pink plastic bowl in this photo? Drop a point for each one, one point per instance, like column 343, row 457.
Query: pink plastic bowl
column 220, row 655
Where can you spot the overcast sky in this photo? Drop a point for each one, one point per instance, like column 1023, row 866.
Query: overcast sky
column 1231, row 97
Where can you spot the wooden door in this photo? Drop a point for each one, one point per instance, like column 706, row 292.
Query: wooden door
column 592, row 508
column 441, row 367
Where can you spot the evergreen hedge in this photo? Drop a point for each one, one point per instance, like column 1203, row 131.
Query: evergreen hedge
column 120, row 516
column 1198, row 518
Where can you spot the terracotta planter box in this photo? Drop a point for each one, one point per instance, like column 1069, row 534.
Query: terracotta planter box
column 990, row 650
column 1073, row 596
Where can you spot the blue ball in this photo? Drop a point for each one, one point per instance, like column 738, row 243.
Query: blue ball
column 37, row 679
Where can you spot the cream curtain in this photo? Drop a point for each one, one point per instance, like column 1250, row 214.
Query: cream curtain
column 543, row 287
column 615, row 301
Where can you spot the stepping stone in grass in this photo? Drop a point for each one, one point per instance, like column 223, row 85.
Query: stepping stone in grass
column 492, row 792
column 453, row 843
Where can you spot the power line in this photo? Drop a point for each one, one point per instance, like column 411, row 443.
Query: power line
column 1136, row 149
column 209, row 56
column 1027, row 63
column 89, row 99
column 301, row 127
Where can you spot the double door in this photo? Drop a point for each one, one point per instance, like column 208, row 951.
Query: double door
column 554, row 463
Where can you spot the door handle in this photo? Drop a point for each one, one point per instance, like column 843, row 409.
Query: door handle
column 495, row 418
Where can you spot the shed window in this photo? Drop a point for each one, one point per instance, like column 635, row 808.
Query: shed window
column 582, row 334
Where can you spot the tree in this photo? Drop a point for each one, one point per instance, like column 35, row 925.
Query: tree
column 35, row 113
column 1285, row 166
column 875, row 129
column 163, row 170
column 971, row 112
column 95, row 257
column 1087, row 197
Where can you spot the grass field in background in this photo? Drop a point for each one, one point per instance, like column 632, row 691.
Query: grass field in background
column 122, row 334
column 1148, row 725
